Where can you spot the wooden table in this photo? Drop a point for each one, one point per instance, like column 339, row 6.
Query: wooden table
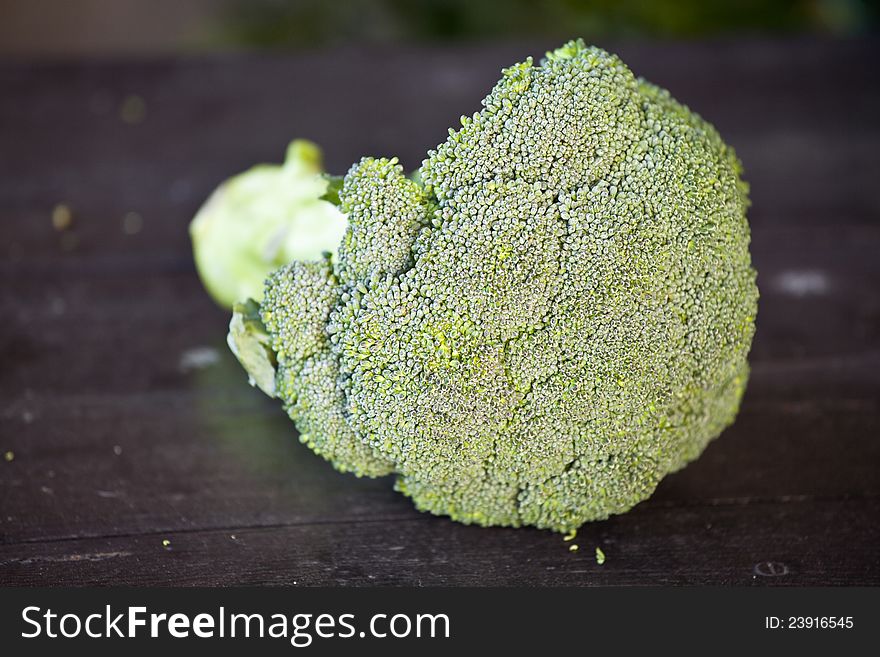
column 140, row 455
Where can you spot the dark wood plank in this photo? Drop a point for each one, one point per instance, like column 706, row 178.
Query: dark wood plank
column 120, row 442
column 786, row 543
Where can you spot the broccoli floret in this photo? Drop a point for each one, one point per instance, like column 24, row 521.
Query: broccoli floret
column 550, row 317
column 261, row 219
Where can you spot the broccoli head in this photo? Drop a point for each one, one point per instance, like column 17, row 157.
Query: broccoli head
column 550, row 317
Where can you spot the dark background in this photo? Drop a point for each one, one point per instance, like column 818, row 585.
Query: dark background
column 132, row 450
column 59, row 28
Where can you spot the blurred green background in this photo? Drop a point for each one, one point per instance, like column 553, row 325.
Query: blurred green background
column 108, row 27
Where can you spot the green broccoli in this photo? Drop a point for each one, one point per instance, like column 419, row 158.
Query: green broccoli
column 261, row 219
column 550, row 317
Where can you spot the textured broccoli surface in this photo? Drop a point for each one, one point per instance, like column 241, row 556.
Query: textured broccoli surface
column 555, row 317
